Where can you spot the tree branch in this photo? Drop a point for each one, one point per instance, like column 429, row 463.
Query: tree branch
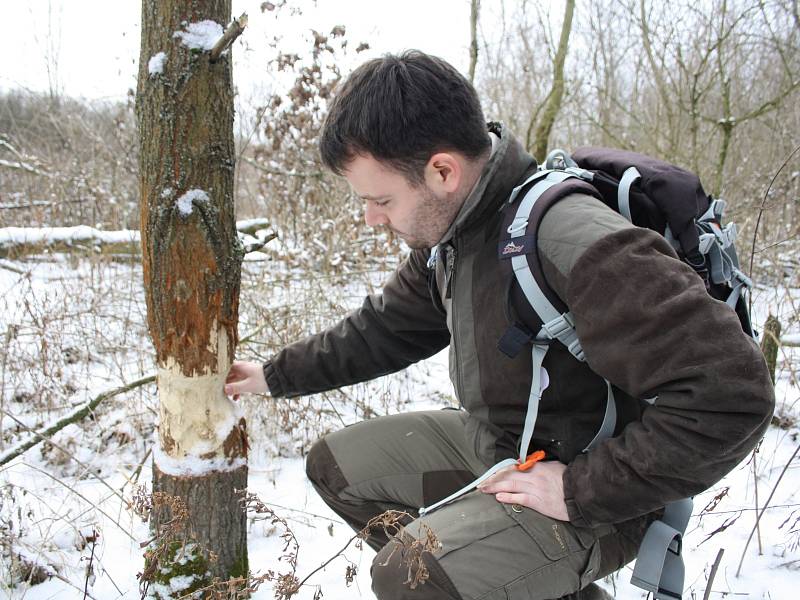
column 73, row 417
column 234, row 30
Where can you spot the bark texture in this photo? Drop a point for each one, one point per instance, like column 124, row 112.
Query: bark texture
column 185, row 113
column 220, row 531
column 192, row 266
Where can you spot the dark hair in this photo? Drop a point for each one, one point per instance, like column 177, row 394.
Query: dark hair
column 401, row 110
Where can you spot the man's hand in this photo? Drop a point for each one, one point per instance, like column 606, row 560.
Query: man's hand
column 540, row 488
column 245, row 378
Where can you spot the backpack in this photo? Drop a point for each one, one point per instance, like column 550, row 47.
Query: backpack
column 648, row 193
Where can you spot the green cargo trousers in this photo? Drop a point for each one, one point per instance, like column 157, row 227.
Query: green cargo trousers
column 489, row 550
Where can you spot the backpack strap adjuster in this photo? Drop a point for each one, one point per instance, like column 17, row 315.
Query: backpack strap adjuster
column 562, row 328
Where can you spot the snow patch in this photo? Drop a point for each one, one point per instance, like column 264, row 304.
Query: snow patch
column 186, row 202
column 194, row 466
column 12, row 236
column 167, row 192
column 155, row 66
column 249, row 223
column 201, row 35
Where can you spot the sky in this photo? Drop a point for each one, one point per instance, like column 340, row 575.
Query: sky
column 85, row 48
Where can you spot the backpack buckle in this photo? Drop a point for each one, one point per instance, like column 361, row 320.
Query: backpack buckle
column 559, row 326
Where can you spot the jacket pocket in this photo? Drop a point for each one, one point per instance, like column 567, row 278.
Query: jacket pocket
column 574, row 552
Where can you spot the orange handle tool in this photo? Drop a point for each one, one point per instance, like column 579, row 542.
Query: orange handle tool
column 531, row 460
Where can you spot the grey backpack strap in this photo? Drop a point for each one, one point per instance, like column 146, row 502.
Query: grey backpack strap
column 659, row 567
column 609, row 424
column 556, row 325
column 624, row 192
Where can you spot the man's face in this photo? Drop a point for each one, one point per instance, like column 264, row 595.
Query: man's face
column 418, row 214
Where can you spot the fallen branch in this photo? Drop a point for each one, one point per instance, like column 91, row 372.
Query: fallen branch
column 79, row 413
column 82, row 236
column 75, row 416
column 34, row 204
column 21, row 166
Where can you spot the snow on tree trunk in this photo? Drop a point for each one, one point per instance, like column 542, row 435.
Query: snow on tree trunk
column 192, row 268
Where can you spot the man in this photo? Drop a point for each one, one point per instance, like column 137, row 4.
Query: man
column 408, row 134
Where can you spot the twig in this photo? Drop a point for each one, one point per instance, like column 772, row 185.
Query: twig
column 75, row 416
column 760, row 213
column 755, row 499
column 260, row 167
column 713, row 573
column 21, row 166
column 86, row 467
column 78, row 414
column 90, row 567
column 9, row 266
column 68, row 582
column 84, row 498
column 758, row 518
column 304, row 512
column 33, row 204
column 135, row 477
column 360, row 534
column 234, row 30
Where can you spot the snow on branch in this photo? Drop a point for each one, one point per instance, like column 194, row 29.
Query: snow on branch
column 35, row 236
column 22, row 162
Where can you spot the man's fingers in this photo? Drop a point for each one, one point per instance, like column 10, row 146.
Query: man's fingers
column 509, row 498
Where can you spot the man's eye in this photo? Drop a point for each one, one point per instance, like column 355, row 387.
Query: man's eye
column 381, row 202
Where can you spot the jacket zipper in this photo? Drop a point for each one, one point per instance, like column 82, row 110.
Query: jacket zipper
column 452, row 257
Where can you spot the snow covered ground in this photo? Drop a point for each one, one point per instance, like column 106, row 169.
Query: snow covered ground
column 74, row 328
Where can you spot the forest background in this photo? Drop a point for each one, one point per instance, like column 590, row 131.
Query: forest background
column 711, row 86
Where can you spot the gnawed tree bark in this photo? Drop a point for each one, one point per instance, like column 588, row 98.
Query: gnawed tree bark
column 192, row 267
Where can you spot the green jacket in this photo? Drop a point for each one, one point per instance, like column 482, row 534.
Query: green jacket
column 645, row 323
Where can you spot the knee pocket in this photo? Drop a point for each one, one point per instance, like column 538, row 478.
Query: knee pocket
column 323, row 470
column 396, row 570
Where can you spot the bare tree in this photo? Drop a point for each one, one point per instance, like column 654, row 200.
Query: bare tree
column 556, row 95
column 192, row 266
column 474, row 15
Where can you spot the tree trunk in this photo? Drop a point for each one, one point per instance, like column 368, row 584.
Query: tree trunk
column 192, row 269
column 473, row 35
column 770, row 342
column 556, row 95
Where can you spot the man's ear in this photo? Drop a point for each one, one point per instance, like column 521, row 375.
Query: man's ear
column 444, row 173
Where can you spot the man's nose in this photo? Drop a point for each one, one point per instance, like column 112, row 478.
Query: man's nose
column 374, row 216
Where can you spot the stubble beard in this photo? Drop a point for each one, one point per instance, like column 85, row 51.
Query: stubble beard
column 430, row 221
